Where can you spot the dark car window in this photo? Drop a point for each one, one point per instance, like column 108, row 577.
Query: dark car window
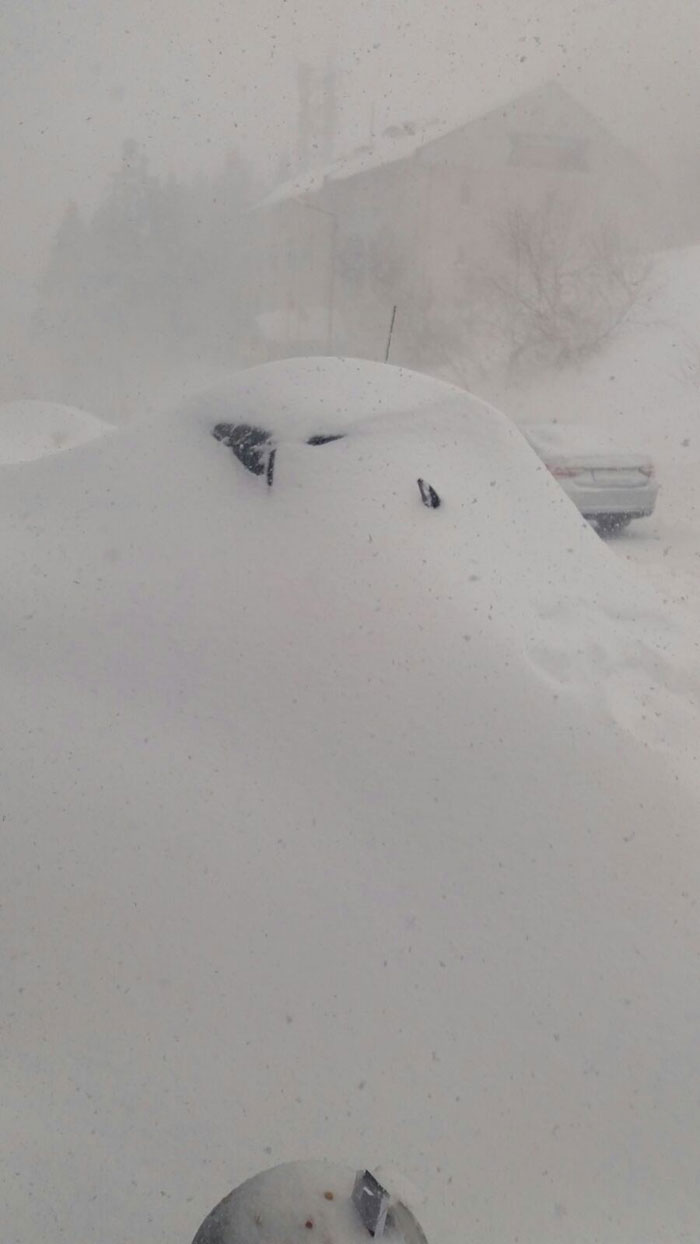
column 252, row 446
column 324, row 438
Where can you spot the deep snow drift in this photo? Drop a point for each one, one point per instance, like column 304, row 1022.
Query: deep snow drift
column 32, row 429
column 336, row 826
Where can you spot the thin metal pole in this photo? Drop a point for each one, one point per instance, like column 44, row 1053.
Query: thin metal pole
column 391, row 333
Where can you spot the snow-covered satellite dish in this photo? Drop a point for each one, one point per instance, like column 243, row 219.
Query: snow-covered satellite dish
column 302, row 1201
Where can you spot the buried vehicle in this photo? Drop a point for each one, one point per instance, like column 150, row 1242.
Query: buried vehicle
column 338, row 825
column 256, row 450
column 610, row 486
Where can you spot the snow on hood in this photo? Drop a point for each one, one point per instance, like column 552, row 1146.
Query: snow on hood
column 336, row 826
column 31, row 429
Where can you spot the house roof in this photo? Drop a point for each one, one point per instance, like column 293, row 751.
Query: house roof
column 397, row 142
column 544, row 107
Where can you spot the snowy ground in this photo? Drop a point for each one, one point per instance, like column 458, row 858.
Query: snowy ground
column 667, row 549
column 336, row 826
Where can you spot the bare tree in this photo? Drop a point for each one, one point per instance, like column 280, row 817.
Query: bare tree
column 556, row 293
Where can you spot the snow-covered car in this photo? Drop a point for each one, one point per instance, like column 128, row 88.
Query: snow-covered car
column 334, row 825
column 256, row 450
column 609, row 485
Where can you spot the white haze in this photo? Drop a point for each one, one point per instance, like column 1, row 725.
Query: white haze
column 191, row 81
column 193, row 87
column 333, row 826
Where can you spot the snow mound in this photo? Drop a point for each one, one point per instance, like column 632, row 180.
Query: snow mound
column 337, row 823
column 31, row 429
column 552, row 591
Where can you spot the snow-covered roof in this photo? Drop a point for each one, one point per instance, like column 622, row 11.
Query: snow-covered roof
column 398, row 142
column 549, row 102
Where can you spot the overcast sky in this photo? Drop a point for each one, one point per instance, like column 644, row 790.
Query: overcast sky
column 191, row 79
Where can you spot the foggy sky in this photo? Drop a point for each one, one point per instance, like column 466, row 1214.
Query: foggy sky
column 191, row 80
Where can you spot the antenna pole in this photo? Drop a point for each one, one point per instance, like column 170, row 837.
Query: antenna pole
column 391, row 333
